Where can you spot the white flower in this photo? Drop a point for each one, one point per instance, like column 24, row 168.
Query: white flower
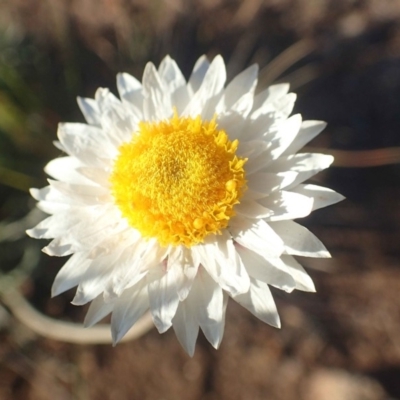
column 180, row 195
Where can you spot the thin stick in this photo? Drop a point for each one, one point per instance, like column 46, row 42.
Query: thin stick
column 361, row 158
column 284, row 61
column 16, row 180
column 66, row 331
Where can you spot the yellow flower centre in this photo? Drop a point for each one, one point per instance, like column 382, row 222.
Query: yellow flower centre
column 178, row 180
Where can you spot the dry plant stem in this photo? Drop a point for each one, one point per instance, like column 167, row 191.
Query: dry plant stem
column 284, row 61
column 361, row 158
column 16, row 180
column 301, row 76
column 66, row 331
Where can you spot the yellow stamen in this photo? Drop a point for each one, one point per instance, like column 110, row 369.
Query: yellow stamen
column 178, row 180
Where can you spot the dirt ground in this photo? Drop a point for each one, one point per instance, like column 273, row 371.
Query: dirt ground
column 341, row 343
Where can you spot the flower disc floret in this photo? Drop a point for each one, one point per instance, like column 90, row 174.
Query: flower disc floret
column 178, row 180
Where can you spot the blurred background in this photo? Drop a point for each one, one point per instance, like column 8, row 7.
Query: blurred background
column 342, row 58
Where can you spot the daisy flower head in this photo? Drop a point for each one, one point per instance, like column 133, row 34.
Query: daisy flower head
column 181, row 194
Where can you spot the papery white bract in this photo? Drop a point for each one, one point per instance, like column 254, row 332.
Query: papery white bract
column 151, row 223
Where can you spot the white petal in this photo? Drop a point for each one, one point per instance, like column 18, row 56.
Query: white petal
column 136, row 260
column 59, row 248
column 130, row 91
column 128, row 309
column 126, row 272
column 256, row 235
column 284, row 135
column 204, row 254
column 163, row 294
column 157, row 100
column 284, row 106
column 233, row 122
column 259, row 155
column 118, row 122
column 205, row 306
column 189, row 272
column 287, row 205
column 280, row 107
column 127, row 237
column 95, row 175
column 59, row 146
column 221, row 261
column 305, row 164
column 173, row 79
column 44, row 229
column 71, row 273
column 66, row 169
column 259, row 301
column 109, row 104
column 90, row 111
column 239, row 93
column 256, row 163
column 82, row 194
column 94, row 280
column 98, row 309
column 278, row 133
column 269, row 95
column 197, row 256
column 127, row 83
column 233, row 276
column 170, row 74
column 251, row 209
column 257, row 129
column 267, row 183
column 206, row 98
column 199, row 72
column 322, row 197
column 269, row 270
column 51, row 195
column 87, row 143
column 86, row 235
column 211, row 314
column 301, row 162
column 56, row 225
column 252, row 148
column 80, row 238
column 308, row 131
column 299, row 240
column 186, row 326
column 89, row 290
column 302, row 279
column 51, row 208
